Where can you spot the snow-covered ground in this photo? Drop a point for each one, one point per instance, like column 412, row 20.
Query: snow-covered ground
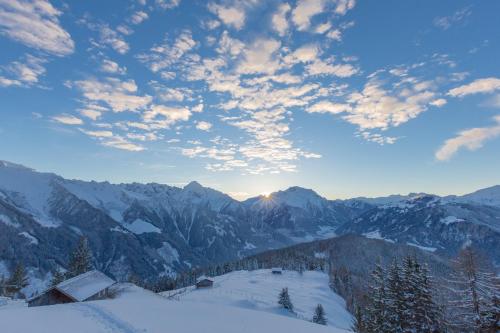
column 137, row 310
column 259, row 290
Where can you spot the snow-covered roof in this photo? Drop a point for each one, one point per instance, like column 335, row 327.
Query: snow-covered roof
column 85, row 285
column 203, row 277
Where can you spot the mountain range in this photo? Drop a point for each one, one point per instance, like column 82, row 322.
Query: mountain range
column 155, row 230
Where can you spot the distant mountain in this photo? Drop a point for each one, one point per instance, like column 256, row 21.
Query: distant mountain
column 153, row 230
column 489, row 196
column 431, row 223
column 148, row 229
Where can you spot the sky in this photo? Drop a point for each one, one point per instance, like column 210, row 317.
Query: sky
column 347, row 97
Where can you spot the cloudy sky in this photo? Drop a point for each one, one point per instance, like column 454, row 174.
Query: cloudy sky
column 348, row 97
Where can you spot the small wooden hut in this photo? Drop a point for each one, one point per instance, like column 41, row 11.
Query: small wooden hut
column 89, row 286
column 204, row 282
column 277, row 270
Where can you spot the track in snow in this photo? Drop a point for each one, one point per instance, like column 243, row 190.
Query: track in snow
column 112, row 323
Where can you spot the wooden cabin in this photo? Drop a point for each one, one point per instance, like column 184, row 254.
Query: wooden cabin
column 204, row 282
column 277, row 270
column 89, row 286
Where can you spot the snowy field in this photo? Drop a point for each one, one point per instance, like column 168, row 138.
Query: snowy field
column 140, row 311
column 259, row 290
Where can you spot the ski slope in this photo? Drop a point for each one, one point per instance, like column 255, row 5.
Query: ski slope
column 137, row 310
column 259, row 290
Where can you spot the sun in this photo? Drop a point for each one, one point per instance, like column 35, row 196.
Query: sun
column 266, row 195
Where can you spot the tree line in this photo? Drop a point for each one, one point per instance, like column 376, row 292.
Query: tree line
column 80, row 261
column 403, row 298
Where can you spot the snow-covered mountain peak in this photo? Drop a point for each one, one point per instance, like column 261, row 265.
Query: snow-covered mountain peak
column 295, row 196
column 488, row 196
column 194, row 186
column 7, row 164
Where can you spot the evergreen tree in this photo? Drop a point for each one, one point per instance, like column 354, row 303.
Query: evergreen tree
column 18, row 280
column 377, row 321
column 491, row 317
column 80, row 260
column 359, row 325
column 57, row 277
column 411, row 282
column 427, row 313
column 395, row 299
column 285, row 301
column 319, row 315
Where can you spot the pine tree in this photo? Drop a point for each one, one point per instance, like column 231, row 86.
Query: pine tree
column 18, row 280
column 410, row 286
column 319, row 315
column 359, row 325
column 395, row 299
column 491, row 317
column 427, row 313
column 285, row 301
column 377, row 321
column 80, row 260
column 57, row 277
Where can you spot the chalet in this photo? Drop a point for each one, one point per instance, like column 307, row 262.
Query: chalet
column 277, row 270
column 204, row 282
column 89, row 286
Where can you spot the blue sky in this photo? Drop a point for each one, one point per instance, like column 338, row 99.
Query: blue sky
column 350, row 98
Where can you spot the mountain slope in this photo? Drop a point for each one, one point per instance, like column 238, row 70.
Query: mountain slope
column 153, row 230
column 433, row 224
column 259, row 289
column 146, row 229
column 137, row 310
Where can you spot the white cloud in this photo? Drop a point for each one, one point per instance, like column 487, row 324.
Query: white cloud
column 23, row 73
column 35, row 23
column 122, row 143
column 446, row 22
column 382, row 104
column 322, row 28
column 319, row 67
column 68, row 119
column 203, row 125
column 113, row 39
column 328, row 107
column 118, row 95
column 92, row 114
column 376, row 107
column 161, row 116
column 230, row 16
column 343, row 6
column 98, row 134
column 163, row 56
column 167, row 4
column 198, row 108
column 304, row 11
column 109, row 66
column 470, row 139
column 228, row 45
column 305, row 54
column 335, row 34
column 139, row 17
column 486, row 85
column 438, row 102
column 280, row 20
column 260, row 57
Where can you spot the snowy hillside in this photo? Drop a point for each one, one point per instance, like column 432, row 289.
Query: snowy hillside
column 487, row 196
column 137, row 310
column 259, row 290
